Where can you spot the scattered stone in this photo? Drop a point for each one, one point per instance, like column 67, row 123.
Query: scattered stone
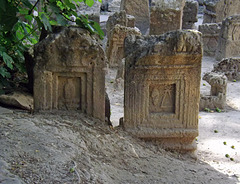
column 166, row 16
column 161, row 99
column 69, row 73
column 217, row 98
column 190, row 12
column 210, row 35
column 230, row 67
column 18, row 99
column 229, row 39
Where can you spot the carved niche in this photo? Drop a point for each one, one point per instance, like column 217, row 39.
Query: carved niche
column 69, row 73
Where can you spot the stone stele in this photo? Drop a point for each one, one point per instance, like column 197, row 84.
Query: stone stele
column 69, row 73
column 162, row 88
column 166, row 15
column 229, row 39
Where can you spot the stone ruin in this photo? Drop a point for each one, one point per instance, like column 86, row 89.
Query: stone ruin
column 140, row 10
column 217, row 10
column 217, row 97
column 230, row 67
column 162, row 88
column 166, row 16
column 229, row 39
column 69, row 73
column 92, row 12
column 210, row 35
column 190, row 12
column 119, row 25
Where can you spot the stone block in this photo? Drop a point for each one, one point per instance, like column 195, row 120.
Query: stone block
column 217, row 97
column 69, row 73
column 217, row 10
column 190, row 12
column 229, row 39
column 140, row 10
column 162, row 88
column 210, row 35
column 166, row 16
column 230, row 67
column 115, row 45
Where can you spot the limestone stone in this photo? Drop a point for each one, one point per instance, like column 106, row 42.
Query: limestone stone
column 230, row 67
column 217, row 97
column 140, row 10
column 17, row 99
column 217, row 10
column 161, row 99
column 115, row 46
column 166, row 16
column 190, row 12
column 229, row 39
column 69, row 73
column 210, row 35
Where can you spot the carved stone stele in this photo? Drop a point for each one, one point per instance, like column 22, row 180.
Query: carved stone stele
column 69, row 73
column 229, row 39
column 162, row 88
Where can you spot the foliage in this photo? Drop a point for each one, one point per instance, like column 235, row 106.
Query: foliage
column 21, row 23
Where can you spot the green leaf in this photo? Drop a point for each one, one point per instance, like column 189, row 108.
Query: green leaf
column 7, row 60
column 61, row 20
column 4, row 73
column 3, row 5
column 39, row 23
column 69, row 4
column 46, row 22
column 9, row 20
column 89, row 2
column 98, row 29
column 27, row 3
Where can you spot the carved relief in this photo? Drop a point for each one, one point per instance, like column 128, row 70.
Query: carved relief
column 162, row 99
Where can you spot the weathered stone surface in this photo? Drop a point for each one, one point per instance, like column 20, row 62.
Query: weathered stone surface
column 161, row 99
column 18, row 99
column 140, row 10
column 217, row 97
column 217, row 10
column 229, row 39
column 92, row 12
column 114, row 5
column 115, row 46
column 230, row 67
column 69, row 73
column 210, row 35
column 166, row 16
column 190, row 12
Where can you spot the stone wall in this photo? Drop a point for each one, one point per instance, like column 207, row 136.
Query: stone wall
column 210, row 35
column 217, row 97
column 217, row 10
column 140, row 10
column 161, row 99
column 69, row 73
column 166, row 16
column 229, row 39
column 190, row 12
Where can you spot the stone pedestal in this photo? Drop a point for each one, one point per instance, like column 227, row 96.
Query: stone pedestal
column 162, row 88
column 229, row 39
column 166, row 16
column 69, row 73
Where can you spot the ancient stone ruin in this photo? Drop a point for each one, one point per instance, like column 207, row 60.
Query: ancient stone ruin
column 210, row 35
column 69, row 73
column 162, row 88
column 217, row 97
column 115, row 51
column 140, row 10
column 230, row 67
column 190, row 12
column 166, row 16
column 229, row 39
column 217, row 10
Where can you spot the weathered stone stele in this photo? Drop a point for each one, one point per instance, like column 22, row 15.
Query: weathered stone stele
column 162, row 88
column 69, row 73
column 190, row 12
column 217, row 97
column 140, row 10
column 115, row 51
column 217, row 10
column 229, row 39
column 166, row 16
column 210, row 35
